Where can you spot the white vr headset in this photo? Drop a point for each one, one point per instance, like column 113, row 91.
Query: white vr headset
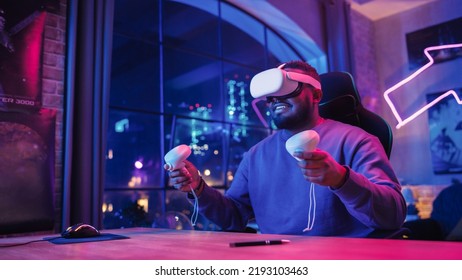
column 278, row 82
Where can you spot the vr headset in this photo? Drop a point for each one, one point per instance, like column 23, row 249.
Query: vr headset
column 278, row 82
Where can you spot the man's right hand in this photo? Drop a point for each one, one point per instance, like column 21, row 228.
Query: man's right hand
column 185, row 178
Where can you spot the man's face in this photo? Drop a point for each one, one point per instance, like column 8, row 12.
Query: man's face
column 294, row 112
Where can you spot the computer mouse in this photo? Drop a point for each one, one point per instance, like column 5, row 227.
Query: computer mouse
column 80, row 230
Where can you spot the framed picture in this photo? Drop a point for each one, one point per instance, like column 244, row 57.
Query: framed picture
column 22, row 24
column 437, row 35
column 27, row 163
column 445, row 125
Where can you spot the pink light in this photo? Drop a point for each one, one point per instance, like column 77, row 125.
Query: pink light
column 402, row 122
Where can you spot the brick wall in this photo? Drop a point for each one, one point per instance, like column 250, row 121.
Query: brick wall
column 53, row 88
column 364, row 61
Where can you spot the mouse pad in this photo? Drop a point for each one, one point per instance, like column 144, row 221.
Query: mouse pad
column 101, row 237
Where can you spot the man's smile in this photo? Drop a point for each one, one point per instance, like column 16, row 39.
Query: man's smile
column 280, row 107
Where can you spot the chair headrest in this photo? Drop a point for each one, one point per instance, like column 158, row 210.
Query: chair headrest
column 341, row 108
column 335, row 84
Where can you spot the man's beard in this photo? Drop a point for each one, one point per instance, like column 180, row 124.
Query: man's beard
column 290, row 122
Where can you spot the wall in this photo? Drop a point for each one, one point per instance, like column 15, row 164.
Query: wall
column 308, row 15
column 379, row 28
column 53, row 88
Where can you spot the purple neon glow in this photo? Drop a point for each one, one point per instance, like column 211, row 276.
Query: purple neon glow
column 402, row 122
column 257, row 111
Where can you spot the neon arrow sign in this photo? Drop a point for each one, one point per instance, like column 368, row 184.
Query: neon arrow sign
column 402, row 122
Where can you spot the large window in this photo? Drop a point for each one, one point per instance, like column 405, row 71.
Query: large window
column 180, row 75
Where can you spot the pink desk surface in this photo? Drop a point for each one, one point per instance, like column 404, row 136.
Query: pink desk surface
column 164, row 244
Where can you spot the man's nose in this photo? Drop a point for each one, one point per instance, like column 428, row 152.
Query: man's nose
column 272, row 99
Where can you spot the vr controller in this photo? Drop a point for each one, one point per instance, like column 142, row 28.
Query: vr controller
column 279, row 82
column 175, row 158
column 305, row 141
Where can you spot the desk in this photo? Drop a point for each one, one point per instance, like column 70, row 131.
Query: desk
column 165, row 244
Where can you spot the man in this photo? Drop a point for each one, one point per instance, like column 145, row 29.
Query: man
column 345, row 187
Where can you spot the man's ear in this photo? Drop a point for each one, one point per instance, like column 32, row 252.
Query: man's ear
column 317, row 95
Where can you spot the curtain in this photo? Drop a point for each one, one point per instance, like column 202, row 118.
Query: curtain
column 338, row 35
column 89, row 43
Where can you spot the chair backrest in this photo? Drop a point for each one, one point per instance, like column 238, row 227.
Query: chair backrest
column 342, row 102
